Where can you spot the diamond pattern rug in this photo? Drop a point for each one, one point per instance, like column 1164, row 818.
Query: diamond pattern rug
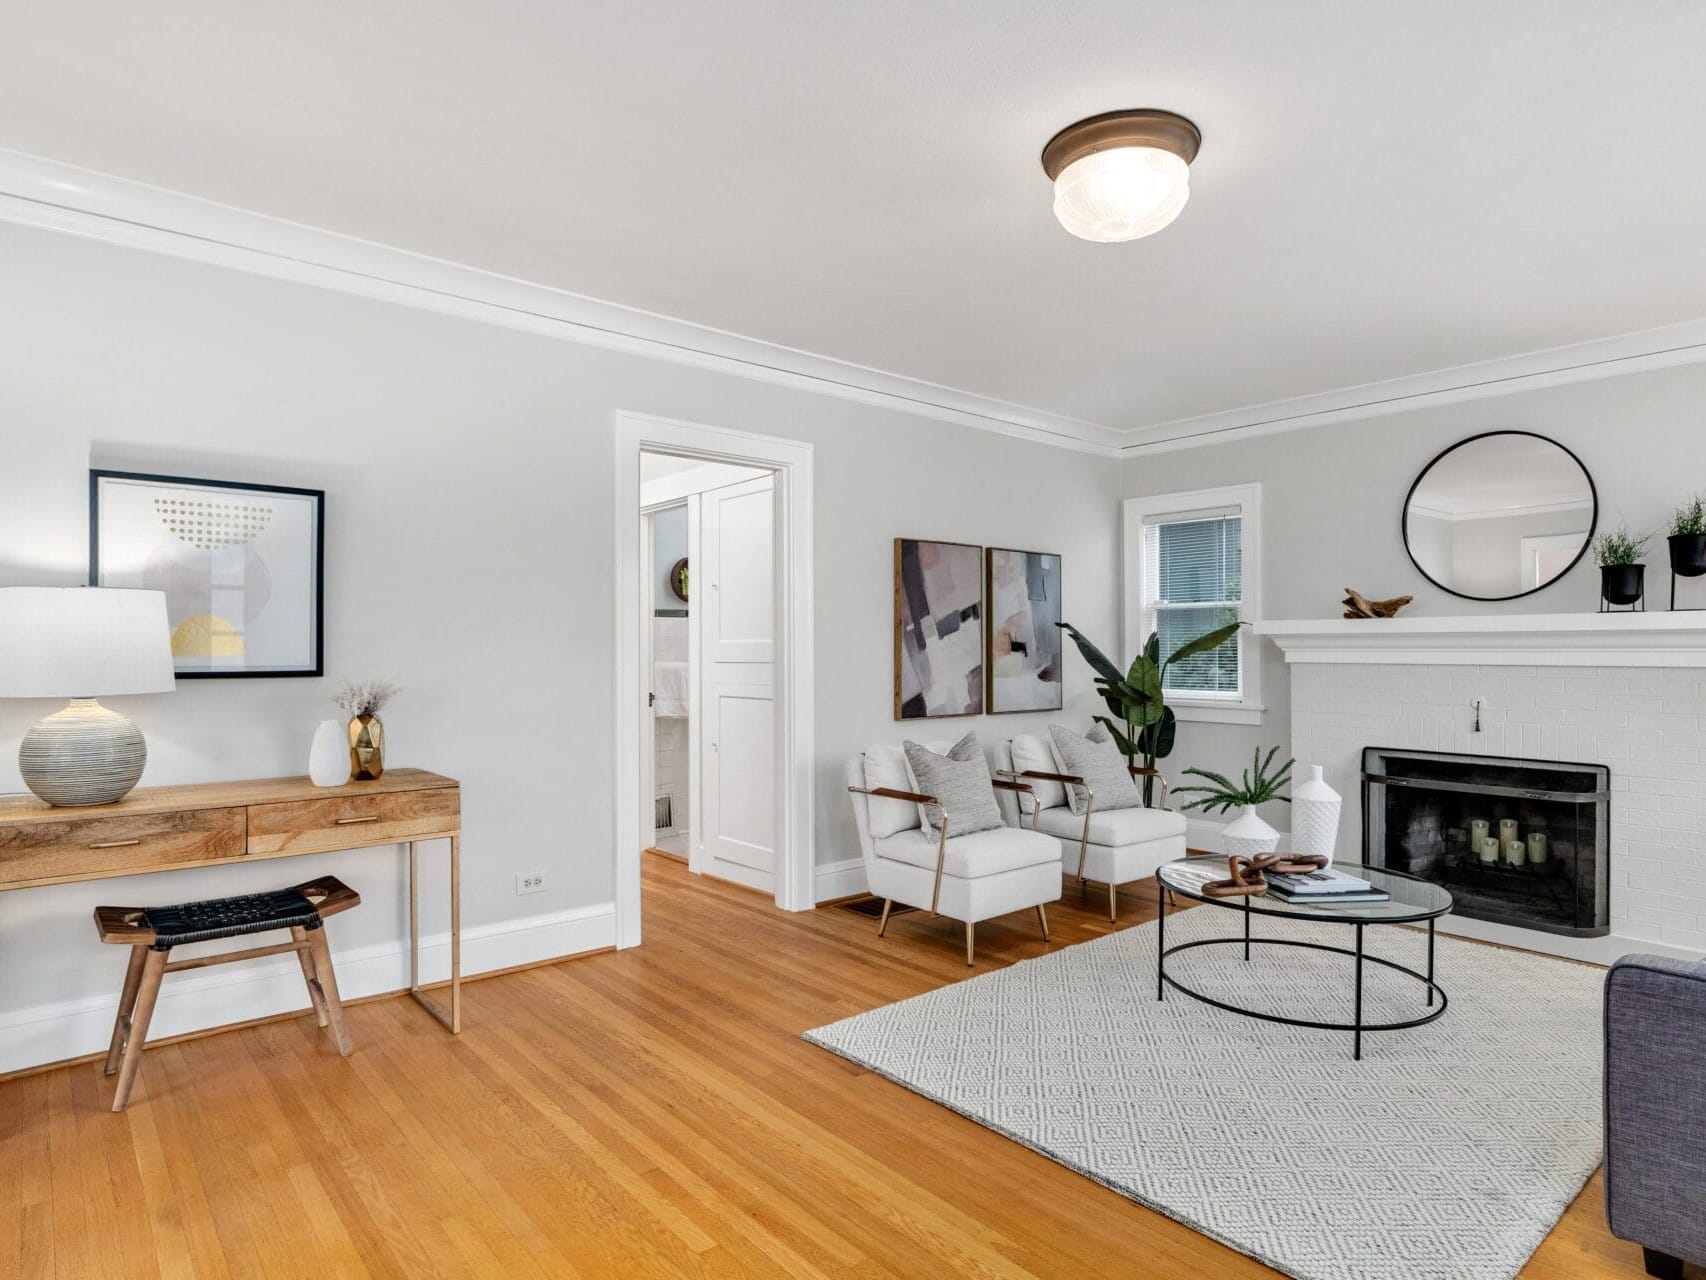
column 1448, row 1152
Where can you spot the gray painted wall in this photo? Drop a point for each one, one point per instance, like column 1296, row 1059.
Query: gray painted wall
column 1332, row 499
column 470, row 553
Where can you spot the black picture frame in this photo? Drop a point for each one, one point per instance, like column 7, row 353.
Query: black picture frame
column 318, row 666
column 1409, row 496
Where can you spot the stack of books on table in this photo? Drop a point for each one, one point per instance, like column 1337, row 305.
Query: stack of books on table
column 1328, row 887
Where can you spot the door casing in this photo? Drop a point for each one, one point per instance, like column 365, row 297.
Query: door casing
column 791, row 463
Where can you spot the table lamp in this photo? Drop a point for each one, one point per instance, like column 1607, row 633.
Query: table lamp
column 83, row 643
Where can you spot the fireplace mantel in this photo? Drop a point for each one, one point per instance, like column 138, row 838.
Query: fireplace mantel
column 1667, row 639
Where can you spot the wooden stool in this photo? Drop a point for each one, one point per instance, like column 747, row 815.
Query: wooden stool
column 152, row 932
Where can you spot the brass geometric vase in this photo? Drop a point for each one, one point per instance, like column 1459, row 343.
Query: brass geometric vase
column 366, row 748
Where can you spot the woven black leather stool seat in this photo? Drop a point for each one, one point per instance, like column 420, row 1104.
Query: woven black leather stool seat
column 229, row 917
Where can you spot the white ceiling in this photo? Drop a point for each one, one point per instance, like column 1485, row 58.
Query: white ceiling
column 1383, row 190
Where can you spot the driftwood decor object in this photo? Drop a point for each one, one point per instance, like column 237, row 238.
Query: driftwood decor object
column 1357, row 606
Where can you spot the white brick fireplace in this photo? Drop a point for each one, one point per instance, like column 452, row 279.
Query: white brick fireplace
column 1624, row 690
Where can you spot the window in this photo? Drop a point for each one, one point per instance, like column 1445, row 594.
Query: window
column 1192, row 567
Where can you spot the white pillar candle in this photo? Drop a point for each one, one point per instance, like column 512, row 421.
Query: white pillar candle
column 1537, row 847
column 1479, row 830
column 1507, row 829
column 1516, row 852
column 1489, row 849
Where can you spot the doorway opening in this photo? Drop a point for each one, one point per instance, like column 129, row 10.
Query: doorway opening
column 713, row 629
column 710, row 626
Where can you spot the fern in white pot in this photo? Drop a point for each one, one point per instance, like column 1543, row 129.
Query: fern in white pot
column 1247, row 834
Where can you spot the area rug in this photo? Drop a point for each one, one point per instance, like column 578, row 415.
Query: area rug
column 1448, row 1152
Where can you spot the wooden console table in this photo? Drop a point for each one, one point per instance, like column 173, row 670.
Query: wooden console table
column 171, row 828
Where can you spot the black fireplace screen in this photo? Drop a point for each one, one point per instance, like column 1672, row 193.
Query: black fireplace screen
column 1521, row 842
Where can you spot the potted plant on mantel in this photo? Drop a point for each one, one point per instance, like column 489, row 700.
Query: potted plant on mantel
column 1246, row 834
column 1621, row 573
column 1688, row 538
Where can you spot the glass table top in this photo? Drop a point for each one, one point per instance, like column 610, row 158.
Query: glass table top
column 1410, row 899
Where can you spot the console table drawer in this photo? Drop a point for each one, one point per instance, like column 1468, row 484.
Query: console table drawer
column 346, row 822
column 82, row 848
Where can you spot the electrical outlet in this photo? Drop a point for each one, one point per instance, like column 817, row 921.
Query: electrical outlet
column 530, row 882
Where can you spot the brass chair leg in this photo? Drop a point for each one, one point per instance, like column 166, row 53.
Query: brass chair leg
column 970, row 929
column 1113, row 903
column 1042, row 919
column 1084, row 838
column 883, row 924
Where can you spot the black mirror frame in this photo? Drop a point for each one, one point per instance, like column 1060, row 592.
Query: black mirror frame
column 1587, row 543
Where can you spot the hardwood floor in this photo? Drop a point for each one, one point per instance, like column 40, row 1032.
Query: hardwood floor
column 644, row 1113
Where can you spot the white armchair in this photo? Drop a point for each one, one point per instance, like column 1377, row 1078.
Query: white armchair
column 969, row 877
column 1113, row 846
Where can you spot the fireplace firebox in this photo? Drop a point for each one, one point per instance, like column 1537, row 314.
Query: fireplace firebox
column 1518, row 842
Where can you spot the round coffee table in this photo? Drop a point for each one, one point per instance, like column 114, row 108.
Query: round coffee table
column 1410, row 901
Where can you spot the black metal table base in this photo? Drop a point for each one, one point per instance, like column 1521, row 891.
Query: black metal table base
column 1356, row 1027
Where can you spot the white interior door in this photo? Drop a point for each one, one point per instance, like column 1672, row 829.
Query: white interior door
column 735, row 578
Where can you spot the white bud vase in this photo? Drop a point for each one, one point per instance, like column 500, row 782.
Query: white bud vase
column 328, row 756
column 1315, row 817
column 1248, row 835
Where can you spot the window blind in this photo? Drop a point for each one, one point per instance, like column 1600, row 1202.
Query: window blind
column 1192, row 575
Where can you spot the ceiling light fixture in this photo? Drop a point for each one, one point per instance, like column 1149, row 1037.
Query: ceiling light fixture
column 1122, row 175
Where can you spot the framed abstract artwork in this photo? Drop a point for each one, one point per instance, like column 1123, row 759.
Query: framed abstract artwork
column 938, row 629
column 1022, row 604
column 241, row 566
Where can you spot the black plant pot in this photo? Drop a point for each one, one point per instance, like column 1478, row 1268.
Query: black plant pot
column 1688, row 554
column 1621, row 583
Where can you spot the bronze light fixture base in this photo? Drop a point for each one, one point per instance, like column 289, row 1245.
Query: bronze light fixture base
column 1142, row 127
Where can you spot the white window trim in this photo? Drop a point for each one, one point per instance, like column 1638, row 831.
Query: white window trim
column 1248, row 498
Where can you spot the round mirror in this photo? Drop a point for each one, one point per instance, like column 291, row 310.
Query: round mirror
column 1499, row 515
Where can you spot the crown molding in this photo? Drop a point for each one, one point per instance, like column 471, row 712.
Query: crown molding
column 38, row 192
column 1558, row 366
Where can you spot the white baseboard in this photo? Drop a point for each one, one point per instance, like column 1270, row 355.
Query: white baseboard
column 831, row 880
column 1203, row 834
column 201, row 999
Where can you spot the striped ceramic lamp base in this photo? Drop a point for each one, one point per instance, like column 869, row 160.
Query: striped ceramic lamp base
column 82, row 755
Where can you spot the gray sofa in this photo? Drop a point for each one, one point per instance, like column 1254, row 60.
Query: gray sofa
column 1655, row 1109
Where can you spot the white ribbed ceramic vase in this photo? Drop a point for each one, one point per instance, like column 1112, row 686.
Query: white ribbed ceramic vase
column 328, row 755
column 1248, row 835
column 1315, row 816
column 83, row 754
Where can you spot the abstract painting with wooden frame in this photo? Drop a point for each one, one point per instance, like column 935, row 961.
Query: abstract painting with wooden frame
column 1022, row 604
column 938, row 629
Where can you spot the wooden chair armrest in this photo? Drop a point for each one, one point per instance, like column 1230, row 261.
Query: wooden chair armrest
column 1008, row 784
column 1052, row 777
column 889, row 793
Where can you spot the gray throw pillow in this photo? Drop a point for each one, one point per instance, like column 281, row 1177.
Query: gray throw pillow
column 1095, row 758
column 960, row 781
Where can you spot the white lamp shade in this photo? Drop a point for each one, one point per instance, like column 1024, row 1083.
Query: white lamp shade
column 1123, row 193
column 83, row 642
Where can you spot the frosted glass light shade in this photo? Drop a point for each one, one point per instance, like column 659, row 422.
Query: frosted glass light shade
column 83, row 642
column 1124, row 193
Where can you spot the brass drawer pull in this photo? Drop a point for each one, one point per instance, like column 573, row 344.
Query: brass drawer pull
column 116, row 844
column 344, row 822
